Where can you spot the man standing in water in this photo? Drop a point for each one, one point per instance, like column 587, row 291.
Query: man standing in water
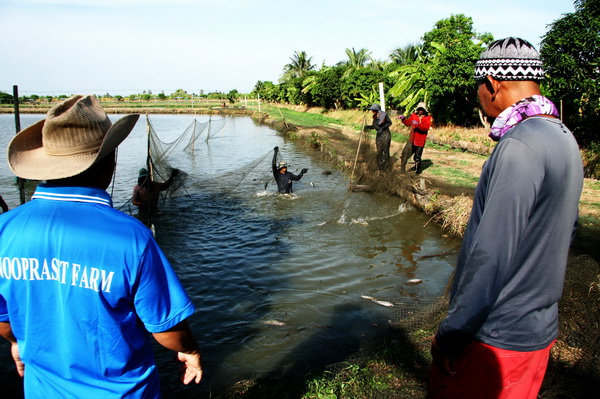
column 283, row 178
column 146, row 192
column 82, row 285
column 503, row 313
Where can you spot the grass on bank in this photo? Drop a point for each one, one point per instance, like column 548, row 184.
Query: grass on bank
column 304, row 119
column 397, row 368
column 454, row 176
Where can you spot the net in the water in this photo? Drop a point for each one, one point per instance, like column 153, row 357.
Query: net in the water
column 158, row 179
column 160, row 151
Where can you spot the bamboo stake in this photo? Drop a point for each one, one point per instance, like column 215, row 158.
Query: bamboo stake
column 150, row 171
column 280, row 113
column 194, row 136
column 358, row 150
column 20, row 182
column 208, row 128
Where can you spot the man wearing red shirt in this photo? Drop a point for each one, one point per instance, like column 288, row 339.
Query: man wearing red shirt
column 419, row 123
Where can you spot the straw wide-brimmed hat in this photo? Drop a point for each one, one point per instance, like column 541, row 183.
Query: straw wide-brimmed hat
column 282, row 164
column 76, row 134
column 423, row 106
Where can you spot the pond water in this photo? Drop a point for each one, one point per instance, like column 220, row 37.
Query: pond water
column 279, row 281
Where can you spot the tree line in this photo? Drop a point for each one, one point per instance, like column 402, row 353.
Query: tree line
column 439, row 71
column 179, row 94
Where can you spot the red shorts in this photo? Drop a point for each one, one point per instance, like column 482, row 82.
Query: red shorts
column 483, row 371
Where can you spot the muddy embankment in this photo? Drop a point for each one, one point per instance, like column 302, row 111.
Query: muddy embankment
column 576, row 355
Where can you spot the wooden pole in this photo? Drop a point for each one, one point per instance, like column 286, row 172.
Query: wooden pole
column 16, row 103
column 357, row 151
column 561, row 109
column 148, row 153
column 381, row 96
column 194, row 136
column 208, row 128
column 150, row 171
column 20, row 182
column 280, row 113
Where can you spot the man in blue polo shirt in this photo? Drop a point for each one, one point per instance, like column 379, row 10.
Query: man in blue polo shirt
column 81, row 284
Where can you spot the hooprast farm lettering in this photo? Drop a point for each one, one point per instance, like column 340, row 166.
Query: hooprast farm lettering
column 91, row 278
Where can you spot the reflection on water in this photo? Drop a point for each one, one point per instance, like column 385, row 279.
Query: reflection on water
column 279, row 281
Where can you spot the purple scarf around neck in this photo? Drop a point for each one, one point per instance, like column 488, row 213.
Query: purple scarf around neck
column 530, row 106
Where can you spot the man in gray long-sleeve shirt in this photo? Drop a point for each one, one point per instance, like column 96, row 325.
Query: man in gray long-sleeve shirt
column 503, row 314
column 383, row 138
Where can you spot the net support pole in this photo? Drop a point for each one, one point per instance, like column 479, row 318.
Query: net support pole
column 20, row 182
column 194, row 136
column 208, row 128
column 150, row 171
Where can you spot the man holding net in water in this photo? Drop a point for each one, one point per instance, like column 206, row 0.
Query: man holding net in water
column 146, row 192
column 282, row 176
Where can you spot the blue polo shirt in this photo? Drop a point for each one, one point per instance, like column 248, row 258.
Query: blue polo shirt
column 82, row 284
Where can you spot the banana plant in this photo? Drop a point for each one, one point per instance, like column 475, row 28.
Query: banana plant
column 366, row 100
column 411, row 79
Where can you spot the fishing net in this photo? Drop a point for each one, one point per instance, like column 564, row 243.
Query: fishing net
column 160, row 151
column 159, row 178
column 256, row 172
column 162, row 179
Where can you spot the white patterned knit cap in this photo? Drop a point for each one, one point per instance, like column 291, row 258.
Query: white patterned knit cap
column 510, row 59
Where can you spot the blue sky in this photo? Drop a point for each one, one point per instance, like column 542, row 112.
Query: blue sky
column 128, row 46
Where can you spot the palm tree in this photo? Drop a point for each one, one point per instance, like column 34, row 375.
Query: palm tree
column 377, row 65
column 301, row 63
column 356, row 60
column 406, row 55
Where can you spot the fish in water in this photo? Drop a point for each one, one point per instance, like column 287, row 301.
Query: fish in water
column 414, row 281
column 276, row 323
column 377, row 301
